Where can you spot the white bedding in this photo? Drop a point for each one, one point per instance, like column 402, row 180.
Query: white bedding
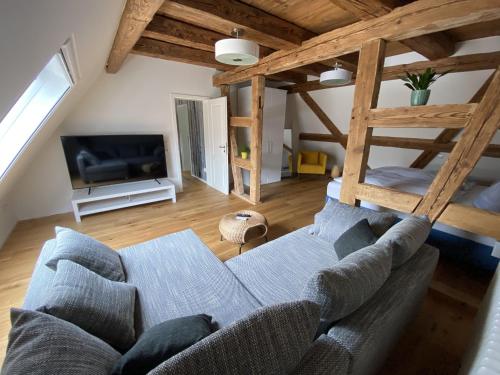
column 415, row 181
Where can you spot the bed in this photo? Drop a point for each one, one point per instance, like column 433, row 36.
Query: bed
column 477, row 248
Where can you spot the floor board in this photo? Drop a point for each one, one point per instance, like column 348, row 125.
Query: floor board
column 432, row 344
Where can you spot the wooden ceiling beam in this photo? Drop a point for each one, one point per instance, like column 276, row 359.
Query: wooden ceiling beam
column 432, row 46
column 135, row 17
column 181, row 53
column 224, row 15
column 415, row 19
column 184, row 34
column 466, row 63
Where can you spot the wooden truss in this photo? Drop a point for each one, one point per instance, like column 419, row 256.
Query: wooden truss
column 478, row 120
column 254, row 122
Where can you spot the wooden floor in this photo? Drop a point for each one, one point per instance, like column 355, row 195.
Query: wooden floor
column 432, row 344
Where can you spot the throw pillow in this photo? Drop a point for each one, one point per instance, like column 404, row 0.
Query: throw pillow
column 489, row 199
column 89, row 157
column 346, row 286
column 41, row 344
column 87, row 252
column 161, row 342
column 358, row 236
column 335, row 218
column 100, row 306
column 405, row 238
column 271, row 340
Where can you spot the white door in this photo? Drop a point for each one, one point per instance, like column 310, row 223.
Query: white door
column 216, row 150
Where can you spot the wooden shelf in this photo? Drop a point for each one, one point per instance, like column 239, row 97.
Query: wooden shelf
column 240, row 122
column 242, row 163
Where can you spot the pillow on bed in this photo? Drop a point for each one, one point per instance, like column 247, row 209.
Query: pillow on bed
column 336, row 218
column 489, row 199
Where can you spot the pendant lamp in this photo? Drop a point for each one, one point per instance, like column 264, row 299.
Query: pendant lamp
column 235, row 51
column 335, row 77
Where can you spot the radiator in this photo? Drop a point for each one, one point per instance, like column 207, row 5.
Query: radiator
column 483, row 356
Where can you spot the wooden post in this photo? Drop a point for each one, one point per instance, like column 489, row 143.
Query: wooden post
column 371, row 63
column 233, row 144
column 475, row 139
column 258, row 85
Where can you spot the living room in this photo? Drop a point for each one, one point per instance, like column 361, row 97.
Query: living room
column 257, row 207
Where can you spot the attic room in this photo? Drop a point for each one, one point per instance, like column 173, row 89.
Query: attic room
column 249, row 187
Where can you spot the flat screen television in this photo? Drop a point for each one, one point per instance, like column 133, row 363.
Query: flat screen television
column 113, row 159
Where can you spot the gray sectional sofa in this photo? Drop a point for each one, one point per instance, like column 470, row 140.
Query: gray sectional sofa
column 177, row 275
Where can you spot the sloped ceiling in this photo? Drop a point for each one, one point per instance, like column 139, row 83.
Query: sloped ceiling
column 31, row 32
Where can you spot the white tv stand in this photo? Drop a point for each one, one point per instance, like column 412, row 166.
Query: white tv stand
column 112, row 197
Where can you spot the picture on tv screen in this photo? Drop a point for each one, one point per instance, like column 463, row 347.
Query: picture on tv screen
column 113, row 159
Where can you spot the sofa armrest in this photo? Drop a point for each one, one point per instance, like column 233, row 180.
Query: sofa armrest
column 325, row 356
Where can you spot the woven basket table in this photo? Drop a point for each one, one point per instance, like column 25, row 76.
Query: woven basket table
column 242, row 231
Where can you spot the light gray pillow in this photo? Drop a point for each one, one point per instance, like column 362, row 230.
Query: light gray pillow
column 343, row 288
column 41, row 344
column 100, row 306
column 87, row 252
column 405, row 238
column 271, row 340
column 336, row 218
column 489, row 199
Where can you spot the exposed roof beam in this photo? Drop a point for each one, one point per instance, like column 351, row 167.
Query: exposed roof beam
column 478, row 61
column 415, row 19
column 135, row 17
column 223, row 16
column 179, row 53
column 184, row 34
column 433, row 46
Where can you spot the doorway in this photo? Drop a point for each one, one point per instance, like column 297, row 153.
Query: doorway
column 202, row 140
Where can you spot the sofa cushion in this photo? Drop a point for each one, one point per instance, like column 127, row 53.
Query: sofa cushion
column 271, row 340
column 161, row 342
column 343, row 288
column 42, row 276
column 177, row 275
column 356, row 237
column 100, row 306
column 405, row 238
column 277, row 271
column 335, row 218
column 41, row 344
column 88, row 252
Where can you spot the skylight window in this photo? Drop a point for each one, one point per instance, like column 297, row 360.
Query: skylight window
column 32, row 109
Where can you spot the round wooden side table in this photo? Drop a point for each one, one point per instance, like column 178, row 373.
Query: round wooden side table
column 242, row 231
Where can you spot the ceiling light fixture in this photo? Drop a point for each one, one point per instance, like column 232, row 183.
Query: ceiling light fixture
column 335, row 77
column 235, row 51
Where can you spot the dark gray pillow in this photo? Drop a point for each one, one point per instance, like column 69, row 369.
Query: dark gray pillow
column 405, row 238
column 271, row 340
column 335, row 218
column 87, row 252
column 358, row 236
column 41, row 344
column 161, row 342
column 100, row 306
column 343, row 288
column 89, row 157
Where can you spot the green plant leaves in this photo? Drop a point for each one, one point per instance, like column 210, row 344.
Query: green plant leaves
column 423, row 80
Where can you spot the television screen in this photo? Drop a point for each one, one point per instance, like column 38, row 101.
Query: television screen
column 113, row 159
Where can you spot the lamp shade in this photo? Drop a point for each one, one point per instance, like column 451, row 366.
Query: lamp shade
column 236, row 52
column 335, row 77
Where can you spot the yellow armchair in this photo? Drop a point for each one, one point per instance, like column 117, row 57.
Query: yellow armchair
column 311, row 162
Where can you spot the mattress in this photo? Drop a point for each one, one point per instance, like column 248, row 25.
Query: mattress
column 415, row 181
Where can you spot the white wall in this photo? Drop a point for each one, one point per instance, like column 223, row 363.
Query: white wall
column 337, row 103
column 31, row 32
column 138, row 99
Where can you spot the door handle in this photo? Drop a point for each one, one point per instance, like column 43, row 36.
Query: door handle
column 224, row 147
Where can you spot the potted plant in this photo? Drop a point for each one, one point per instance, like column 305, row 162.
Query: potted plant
column 244, row 152
column 419, row 84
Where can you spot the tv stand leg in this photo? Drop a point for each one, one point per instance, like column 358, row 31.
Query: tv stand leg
column 159, row 183
column 90, row 189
